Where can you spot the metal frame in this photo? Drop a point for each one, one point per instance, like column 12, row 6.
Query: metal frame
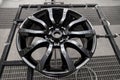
column 17, row 20
column 106, row 25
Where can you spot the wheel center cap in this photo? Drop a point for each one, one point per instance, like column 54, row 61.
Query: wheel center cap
column 56, row 34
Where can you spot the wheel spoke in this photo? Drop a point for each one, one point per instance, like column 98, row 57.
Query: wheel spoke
column 38, row 21
column 64, row 15
column 30, row 32
column 45, row 60
column 67, row 59
column 50, row 12
column 76, row 21
column 28, row 50
column 83, row 51
column 85, row 33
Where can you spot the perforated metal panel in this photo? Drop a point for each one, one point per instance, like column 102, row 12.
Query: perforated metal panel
column 111, row 12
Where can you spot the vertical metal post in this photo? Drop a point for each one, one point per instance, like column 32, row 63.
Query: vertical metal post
column 9, row 42
column 105, row 24
column 30, row 72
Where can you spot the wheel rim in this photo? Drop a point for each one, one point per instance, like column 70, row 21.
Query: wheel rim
column 57, row 27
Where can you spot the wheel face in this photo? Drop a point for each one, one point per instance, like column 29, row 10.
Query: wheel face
column 57, row 28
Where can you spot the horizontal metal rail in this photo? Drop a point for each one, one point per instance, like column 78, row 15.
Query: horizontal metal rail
column 58, row 5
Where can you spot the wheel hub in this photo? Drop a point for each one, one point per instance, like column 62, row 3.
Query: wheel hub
column 57, row 35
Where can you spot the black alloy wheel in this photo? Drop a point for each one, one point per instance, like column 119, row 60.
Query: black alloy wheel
column 56, row 28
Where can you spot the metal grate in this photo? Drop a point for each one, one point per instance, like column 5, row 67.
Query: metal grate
column 111, row 12
column 106, row 68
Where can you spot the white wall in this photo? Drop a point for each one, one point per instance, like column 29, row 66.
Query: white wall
column 0, row 2
column 15, row 3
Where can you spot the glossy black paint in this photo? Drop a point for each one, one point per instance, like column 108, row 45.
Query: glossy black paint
column 57, row 27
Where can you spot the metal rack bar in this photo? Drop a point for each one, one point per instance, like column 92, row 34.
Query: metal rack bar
column 13, row 63
column 9, row 41
column 59, row 5
column 105, row 24
column 30, row 73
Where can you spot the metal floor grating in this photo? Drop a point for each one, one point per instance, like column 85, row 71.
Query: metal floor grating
column 106, row 68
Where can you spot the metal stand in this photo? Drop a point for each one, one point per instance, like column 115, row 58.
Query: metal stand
column 17, row 20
